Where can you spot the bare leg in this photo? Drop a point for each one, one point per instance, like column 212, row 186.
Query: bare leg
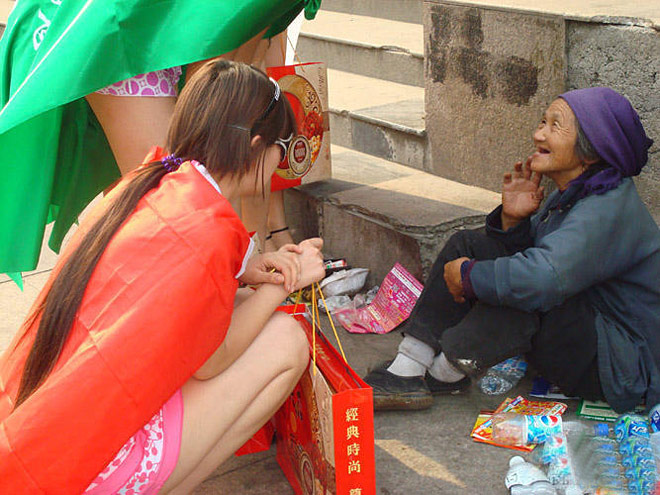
column 276, row 53
column 132, row 125
column 244, row 53
column 222, row 413
column 277, row 222
column 254, row 212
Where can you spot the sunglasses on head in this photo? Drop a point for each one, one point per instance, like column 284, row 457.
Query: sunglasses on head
column 273, row 101
column 284, row 144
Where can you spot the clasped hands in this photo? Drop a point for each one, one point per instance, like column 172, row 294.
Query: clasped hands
column 293, row 265
column 521, row 197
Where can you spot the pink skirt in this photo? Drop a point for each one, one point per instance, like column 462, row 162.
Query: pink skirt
column 144, row 463
column 158, row 83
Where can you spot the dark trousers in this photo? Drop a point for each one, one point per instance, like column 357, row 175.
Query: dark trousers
column 560, row 344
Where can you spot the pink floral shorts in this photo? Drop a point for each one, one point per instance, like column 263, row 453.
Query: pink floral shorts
column 158, row 83
column 144, row 463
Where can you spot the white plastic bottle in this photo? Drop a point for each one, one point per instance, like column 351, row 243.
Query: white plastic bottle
column 523, row 429
column 524, row 478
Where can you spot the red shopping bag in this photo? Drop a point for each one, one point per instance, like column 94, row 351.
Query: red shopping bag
column 308, row 154
column 259, row 442
column 325, row 429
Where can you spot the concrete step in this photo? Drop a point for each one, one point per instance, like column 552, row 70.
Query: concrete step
column 378, row 117
column 369, row 46
column 375, row 213
column 395, row 10
column 615, row 12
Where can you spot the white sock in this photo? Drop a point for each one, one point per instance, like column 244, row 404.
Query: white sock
column 443, row 370
column 413, row 359
column 405, row 366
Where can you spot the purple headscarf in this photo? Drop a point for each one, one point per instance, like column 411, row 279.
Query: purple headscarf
column 613, row 128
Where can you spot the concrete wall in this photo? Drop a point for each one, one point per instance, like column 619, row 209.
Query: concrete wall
column 490, row 72
column 626, row 58
column 489, row 75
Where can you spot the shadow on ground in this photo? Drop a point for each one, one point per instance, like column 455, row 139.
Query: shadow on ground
column 420, row 452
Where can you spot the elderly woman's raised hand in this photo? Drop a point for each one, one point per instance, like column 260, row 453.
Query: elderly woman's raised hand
column 521, row 194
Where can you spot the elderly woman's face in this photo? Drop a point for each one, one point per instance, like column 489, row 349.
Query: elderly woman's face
column 555, row 140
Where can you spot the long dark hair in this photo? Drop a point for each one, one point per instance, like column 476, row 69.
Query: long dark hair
column 218, row 112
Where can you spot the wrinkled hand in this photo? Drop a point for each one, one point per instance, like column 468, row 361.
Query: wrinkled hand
column 521, row 194
column 453, row 279
column 312, row 268
column 279, row 267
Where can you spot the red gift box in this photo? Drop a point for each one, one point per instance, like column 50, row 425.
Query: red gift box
column 308, row 155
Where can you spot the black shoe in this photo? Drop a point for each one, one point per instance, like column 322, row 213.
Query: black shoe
column 437, row 387
column 394, row 392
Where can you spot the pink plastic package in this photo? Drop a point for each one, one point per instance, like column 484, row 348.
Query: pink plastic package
column 393, row 304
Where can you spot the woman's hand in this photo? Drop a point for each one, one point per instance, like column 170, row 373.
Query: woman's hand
column 293, row 265
column 521, row 194
column 312, row 268
column 279, row 267
column 453, row 279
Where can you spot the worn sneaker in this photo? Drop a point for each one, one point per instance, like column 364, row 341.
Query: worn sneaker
column 438, row 388
column 394, row 392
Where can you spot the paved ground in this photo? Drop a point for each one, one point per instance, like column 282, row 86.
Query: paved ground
column 422, row 452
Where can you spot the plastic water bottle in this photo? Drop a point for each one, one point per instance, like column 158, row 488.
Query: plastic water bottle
column 654, row 422
column 523, row 429
column 632, row 432
column 524, row 478
column 595, row 459
column 503, row 376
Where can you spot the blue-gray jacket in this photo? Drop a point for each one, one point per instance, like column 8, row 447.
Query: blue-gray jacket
column 609, row 247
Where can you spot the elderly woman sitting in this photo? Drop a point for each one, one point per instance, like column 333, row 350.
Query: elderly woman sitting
column 574, row 286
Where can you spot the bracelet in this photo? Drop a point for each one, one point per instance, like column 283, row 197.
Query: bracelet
column 277, row 231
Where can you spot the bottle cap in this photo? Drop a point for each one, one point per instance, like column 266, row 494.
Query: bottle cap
column 601, row 429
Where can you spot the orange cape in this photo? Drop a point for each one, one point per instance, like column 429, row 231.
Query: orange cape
column 157, row 306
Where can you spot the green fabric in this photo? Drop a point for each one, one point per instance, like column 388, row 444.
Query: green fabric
column 311, row 8
column 55, row 155
column 17, row 278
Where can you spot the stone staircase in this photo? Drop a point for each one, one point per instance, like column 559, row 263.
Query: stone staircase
column 382, row 205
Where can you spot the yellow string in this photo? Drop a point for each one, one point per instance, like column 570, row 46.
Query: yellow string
column 332, row 323
column 313, row 330
column 295, row 52
column 298, row 296
column 318, row 314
